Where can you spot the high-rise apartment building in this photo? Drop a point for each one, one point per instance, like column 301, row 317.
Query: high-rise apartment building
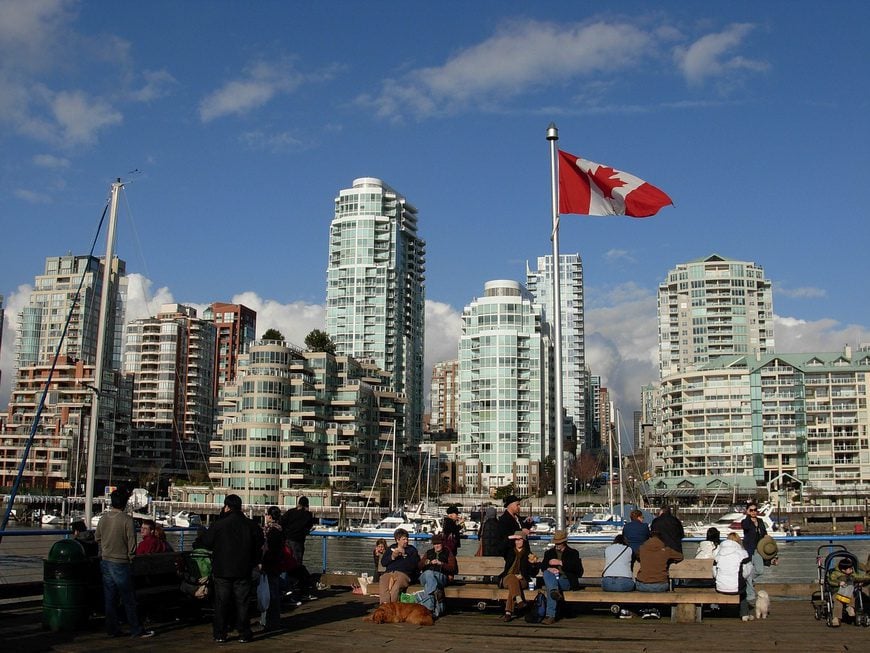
column 712, row 307
column 375, row 289
column 574, row 379
column 62, row 434
column 444, row 397
column 506, row 426
column 297, row 419
column 235, row 329
column 804, row 415
column 171, row 357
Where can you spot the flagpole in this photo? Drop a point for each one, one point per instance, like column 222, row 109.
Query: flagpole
column 553, row 136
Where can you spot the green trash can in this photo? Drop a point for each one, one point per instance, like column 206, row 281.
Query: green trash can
column 65, row 582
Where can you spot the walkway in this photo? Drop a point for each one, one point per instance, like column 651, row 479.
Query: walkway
column 334, row 624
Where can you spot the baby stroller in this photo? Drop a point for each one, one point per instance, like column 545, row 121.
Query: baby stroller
column 823, row 599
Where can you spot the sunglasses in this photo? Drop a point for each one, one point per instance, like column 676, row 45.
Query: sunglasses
column 753, row 510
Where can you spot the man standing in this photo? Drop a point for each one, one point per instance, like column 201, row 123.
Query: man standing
column 562, row 569
column 116, row 536
column 437, row 567
column 237, row 543
column 451, row 529
column 670, row 529
column 297, row 524
column 509, row 523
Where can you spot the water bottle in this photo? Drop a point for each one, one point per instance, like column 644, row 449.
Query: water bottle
column 532, row 585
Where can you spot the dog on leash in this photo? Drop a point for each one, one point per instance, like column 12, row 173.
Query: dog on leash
column 397, row 613
column 762, row 604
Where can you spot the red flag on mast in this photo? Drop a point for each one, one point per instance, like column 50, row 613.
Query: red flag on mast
column 590, row 188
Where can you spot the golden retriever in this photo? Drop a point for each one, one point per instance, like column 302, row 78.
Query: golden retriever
column 396, row 613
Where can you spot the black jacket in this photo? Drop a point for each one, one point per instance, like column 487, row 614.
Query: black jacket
column 296, row 524
column 237, row 544
column 670, row 531
column 572, row 565
column 526, row 569
column 507, row 526
column 489, row 538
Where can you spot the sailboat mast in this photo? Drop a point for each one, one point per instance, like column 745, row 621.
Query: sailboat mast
column 101, row 346
column 394, row 491
column 610, row 462
column 619, row 454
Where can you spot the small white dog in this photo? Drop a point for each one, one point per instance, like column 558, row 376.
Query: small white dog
column 762, row 604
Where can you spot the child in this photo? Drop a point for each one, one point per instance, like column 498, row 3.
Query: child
column 845, row 582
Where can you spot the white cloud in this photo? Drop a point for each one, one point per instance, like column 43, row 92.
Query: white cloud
column 710, row 55
column 794, row 335
column 80, row 117
column 50, row 161
column 274, row 142
column 805, row 292
column 31, row 196
column 12, row 305
column 618, row 255
column 157, row 85
column 30, row 31
column 519, row 56
column 259, row 84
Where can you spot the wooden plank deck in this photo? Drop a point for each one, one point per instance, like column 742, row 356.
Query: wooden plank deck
column 334, row 624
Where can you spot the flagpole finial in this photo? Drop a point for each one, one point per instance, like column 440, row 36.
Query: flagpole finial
column 552, row 132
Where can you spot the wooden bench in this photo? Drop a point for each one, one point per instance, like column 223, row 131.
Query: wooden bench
column 476, row 580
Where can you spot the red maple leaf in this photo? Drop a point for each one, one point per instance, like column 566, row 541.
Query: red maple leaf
column 607, row 179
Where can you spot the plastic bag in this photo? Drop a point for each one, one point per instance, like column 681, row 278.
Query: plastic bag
column 264, row 596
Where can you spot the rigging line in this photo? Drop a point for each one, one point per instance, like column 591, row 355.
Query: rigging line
column 38, row 415
column 140, row 252
column 374, row 482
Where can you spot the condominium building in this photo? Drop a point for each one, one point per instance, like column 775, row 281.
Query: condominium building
column 375, row 289
column 235, row 329
column 574, row 377
column 804, row 415
column 710, row 307
column 171, row 357
column 506, row 424
column 62, row 318
column 297, row 419
column 444, row 397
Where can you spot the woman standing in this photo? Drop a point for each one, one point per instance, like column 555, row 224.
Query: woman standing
column 520, row 566
column 272, row 566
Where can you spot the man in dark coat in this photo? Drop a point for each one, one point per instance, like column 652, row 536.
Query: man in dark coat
column 451, row 529
column 237, row 546
column 670, row 529
column 297, row 524
column 509, row 523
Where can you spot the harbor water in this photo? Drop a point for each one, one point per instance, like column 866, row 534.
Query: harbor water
column 22, row 552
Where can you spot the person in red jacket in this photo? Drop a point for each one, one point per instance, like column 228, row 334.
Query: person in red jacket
column 150, row 543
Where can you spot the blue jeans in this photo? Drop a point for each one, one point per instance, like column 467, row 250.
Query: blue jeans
column 231, row 594
column 551, row 582
column 651, row 587
column 433, row 581
column 271, row 619
column 758, row 569
column 118, row 583
column 617, row 584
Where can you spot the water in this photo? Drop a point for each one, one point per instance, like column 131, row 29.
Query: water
column 21, row 556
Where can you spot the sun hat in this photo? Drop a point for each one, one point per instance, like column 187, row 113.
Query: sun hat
column 560, row 537
column 437, row 539
column 767, row 548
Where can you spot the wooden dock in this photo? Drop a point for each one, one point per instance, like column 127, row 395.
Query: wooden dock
column 334, row 624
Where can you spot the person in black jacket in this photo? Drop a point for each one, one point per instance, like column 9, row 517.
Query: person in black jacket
column 670, row 529
column 562, row 570
column 237, row 546
column 297, row 524
column 451, row 529
column 490, row 543
column 509, row 523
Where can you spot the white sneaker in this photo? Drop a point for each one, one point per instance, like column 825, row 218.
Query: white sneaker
column 748, row 617
column 625, row 614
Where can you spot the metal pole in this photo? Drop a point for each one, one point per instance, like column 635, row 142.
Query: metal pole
column 101, row 345
column 553, row 136
column 619, row 454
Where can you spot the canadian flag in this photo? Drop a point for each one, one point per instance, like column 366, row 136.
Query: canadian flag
column 591, row 188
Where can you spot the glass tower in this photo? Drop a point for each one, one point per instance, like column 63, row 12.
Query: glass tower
column 375, row 289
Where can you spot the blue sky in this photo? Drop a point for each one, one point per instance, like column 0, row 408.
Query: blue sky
column 245, row 119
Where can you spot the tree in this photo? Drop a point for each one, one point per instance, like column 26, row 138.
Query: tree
column 503, row 491
column 587, row 468
column 319, row 340
column 273, row 334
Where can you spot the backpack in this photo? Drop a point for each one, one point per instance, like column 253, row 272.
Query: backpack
column 538, row 610
column 197, row 574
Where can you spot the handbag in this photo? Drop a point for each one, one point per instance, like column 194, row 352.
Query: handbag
column 264, row 595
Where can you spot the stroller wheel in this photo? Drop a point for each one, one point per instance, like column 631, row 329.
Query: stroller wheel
column 614, row 609
column 481, row 605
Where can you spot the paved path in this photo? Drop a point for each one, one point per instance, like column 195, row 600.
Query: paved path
column 334, row 624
